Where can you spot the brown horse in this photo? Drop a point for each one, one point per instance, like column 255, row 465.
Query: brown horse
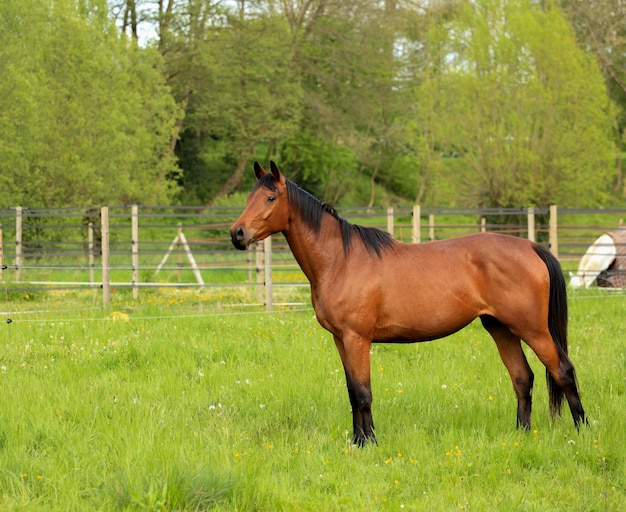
column 366, row 287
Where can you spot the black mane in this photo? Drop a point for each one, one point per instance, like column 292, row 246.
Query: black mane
column 312, row 210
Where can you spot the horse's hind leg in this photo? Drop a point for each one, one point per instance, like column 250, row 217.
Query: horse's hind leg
column 565, row 378
column 561, row 378
column 513, row 357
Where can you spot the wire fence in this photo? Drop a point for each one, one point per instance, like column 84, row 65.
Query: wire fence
column 132, row 248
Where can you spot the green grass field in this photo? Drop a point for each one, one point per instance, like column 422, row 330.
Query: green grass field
column 173, row 404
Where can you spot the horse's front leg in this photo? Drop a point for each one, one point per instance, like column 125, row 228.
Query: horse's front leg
column 362, row 422
column 355, row 356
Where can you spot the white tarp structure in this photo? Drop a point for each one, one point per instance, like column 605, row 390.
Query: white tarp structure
column 604, row 263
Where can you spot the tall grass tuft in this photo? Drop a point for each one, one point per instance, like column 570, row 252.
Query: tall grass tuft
column 178, row 489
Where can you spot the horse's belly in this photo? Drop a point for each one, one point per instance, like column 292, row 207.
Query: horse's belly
column 428, row 313
column 421, row 327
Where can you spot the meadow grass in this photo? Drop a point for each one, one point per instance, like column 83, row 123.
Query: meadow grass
column 173, row 404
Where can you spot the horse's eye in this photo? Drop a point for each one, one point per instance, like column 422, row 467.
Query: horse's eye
column 271, row 199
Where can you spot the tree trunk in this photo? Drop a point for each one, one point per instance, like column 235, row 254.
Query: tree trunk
column 422, row 188
column 165, row 16
column 130, row 12
column 373, row 187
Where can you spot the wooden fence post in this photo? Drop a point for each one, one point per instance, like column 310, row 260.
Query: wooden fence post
column 106, row 257
column 267, row 249
column 553, row 237
column 249, row 262
column 259, row 274
column 416, row 235
column 90, row 250
column 134, row 250
column 390, row 224
column 431, row 227
column 531, row 224
column 179, row 252
column 18, row 243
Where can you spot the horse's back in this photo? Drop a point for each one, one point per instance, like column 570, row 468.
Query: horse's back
column 484, row 255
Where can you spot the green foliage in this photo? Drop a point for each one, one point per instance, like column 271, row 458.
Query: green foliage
column 321, row 167
column 87, row 117
column 244, row 92
column 455, row 103
column 207, row 165
column 523, row 106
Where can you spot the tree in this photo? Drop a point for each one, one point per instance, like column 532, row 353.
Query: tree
column 446, row 102
column 420, row 160
column 255, row 96
column 600, row 28
column 523, row 106
column 87, row 116
column 266, row 77
column 344, row 52
column 228, row 68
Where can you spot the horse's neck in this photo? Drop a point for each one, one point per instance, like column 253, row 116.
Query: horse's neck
column 316, row 253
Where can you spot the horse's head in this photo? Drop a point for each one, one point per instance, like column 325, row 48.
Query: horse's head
column 267, row 211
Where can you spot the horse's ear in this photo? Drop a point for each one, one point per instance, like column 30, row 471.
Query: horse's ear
column 278, row 176
column 259, row 171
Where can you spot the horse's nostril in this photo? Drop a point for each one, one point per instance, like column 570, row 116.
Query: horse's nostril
column 239, row 233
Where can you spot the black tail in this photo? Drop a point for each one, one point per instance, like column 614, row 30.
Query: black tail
column 557, row 321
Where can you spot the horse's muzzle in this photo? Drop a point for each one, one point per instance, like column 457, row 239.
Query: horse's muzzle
column 238, row 238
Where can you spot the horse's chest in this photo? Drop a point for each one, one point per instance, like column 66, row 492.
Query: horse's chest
column 338, row 307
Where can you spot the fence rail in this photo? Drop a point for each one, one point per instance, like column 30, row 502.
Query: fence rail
column 138, row 247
